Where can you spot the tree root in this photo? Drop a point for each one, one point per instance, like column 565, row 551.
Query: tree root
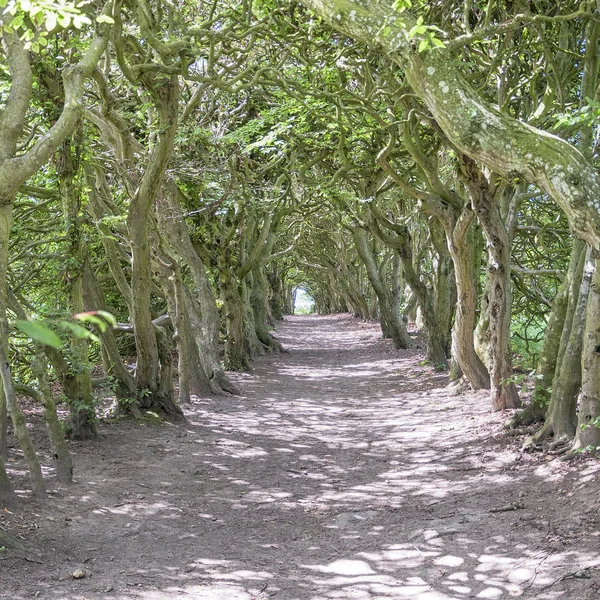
column 458, row 386
column 527, row 416
column 559, row 445
column 221, row 385
column 519, row 431
column 556, row 447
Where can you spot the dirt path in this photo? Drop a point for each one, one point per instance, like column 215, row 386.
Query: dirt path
column 345, row 472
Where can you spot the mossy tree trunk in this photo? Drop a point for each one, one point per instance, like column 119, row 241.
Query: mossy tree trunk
column 398, row 237
column 237, row 347
column 8, row 498
column 39, row 368
column 259, row 300
column 16, row 168
column 20, row 426
column 497, row 297
column 199, row 299
column 193, row 379
column 81, row 405
column 61, row 457
column 151, row 375
column 588, row 422
column 444, row 283
column 460, row 243
column 551, row 348
column 94, row 299
column 561, row 418
column 392, row 325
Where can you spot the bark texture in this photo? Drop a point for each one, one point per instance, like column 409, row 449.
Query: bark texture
column 588, row 423
column 477, row 129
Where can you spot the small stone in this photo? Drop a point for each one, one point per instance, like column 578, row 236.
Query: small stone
column 79, row 574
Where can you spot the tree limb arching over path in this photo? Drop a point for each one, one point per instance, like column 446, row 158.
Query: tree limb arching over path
column 503, row 144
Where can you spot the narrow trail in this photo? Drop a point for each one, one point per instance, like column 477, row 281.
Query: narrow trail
column 345, row 472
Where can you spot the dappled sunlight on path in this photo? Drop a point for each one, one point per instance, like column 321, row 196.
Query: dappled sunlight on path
column 345, row 472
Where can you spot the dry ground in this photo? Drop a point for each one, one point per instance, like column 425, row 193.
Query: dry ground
column 344, row 472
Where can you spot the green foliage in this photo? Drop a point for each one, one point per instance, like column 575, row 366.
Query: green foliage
column 595, row 422
column 427, row 35
column 39, row 332
column 35, row 20
column 588, row 115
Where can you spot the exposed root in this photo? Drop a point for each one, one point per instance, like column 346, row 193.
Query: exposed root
column 458, row 386
column 530, row 444
column 559, row 445
column 530, row 414
column 519, row 431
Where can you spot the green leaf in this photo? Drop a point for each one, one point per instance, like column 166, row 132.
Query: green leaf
column 105, row 19
column 64, row 20
column 437, row 42
column 423, row 45
column 108, row 317
column 100, row 318
column 78, row 331
column 80, row 20
column 50, row 21
column 16, row 22
column 417, row 30
column 39, row 332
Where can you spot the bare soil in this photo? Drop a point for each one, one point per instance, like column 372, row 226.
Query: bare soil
column 346, row 471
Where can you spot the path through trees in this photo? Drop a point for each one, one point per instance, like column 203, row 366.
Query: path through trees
column 344, row 472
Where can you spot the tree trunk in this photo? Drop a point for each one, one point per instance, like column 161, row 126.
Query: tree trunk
column 237, row 348
column 497, row 298
column 444, row 287
column 461, row 250
column 39, row 368
column 259, row 298
column 17, row 418
column 436, row 344
column 60, row 451
column 588, row 423
column 150, row 379
column 205, row 315
column 8, row 498
column 20, row 426
column 392, row 324
column 546, row 367
column 561, row 419
column 192, row 377
column 3, row 425
column 83, row 412
column 113, row 363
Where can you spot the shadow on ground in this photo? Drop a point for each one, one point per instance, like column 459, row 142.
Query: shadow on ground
column 345, row 472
